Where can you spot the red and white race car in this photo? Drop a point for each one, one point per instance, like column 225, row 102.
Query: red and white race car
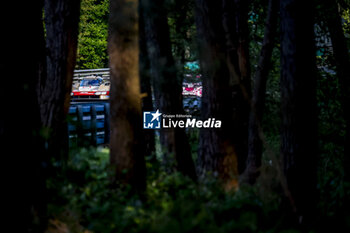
column 192, row 89
column 91, row 87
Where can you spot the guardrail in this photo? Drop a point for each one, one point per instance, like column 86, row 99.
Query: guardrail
column 88, row 124
column 103, row 73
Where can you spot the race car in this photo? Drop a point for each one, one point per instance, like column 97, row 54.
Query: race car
column 95, row 84
column 91, row 87
column 192, row 89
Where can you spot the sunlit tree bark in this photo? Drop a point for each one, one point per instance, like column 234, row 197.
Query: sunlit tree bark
column 127, row 149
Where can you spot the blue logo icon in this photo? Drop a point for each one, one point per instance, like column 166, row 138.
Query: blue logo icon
column 151, row 120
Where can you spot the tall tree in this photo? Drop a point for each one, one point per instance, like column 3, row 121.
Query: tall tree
column 258, row 98
column 22, row 149
column 298, row 97
column 146, row 87
column 127, row 149
column 167, row 85
column 224, row 57
column 61, row 23
column 235, row 24
column 341, row 55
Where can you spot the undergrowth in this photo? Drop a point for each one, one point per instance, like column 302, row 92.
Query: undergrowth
column 82, row 200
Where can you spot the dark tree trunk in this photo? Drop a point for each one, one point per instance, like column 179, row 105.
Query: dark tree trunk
column 146, row 90
column 22, row 148
column 224, row 61
column 258, row 99
column 127, row 148
column 166, row 85
column 299, row 115
column 341, row 55
column 235, row 23
column 61, row 20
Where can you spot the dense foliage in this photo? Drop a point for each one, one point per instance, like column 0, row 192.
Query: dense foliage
column 81, row 198
column 93, row 30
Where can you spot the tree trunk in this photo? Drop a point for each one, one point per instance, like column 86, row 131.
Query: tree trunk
column 235, row 23
column 258, row 99
column 167, row 86
column 224, row 61
column 299, row 116
column 127, row 148
column 146, row 90
column 61, row 20
column 21, row 56
column 342, row 60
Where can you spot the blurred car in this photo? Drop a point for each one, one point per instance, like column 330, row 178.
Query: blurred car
column 192, row 89
column 96, row 87
column 91, row 87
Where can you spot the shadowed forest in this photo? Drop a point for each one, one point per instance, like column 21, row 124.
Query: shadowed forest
column 275, row 73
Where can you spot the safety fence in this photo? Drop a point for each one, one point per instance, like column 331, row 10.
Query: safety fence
column 88, row 124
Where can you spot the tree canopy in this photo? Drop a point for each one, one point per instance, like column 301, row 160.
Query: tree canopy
column 93, row 32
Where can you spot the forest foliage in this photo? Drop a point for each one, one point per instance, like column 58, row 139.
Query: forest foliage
column 174, row 202
column 82, row 189
column 82, row 199
column 93, row 33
